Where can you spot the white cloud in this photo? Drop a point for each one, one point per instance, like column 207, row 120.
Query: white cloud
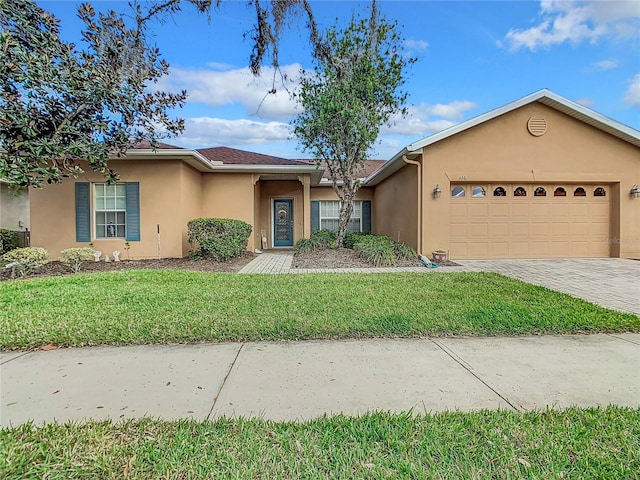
column 202, row 132
column 585, row 102
column 575, row 22
column 632, row 95
column 605, row 65
column 420, row 122
column 416, row 44
column 216, row 88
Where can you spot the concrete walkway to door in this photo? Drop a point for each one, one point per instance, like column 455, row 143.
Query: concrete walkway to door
column 610, row 282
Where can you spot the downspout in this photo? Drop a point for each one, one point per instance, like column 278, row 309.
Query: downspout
column 419, row 223
column 425, row 261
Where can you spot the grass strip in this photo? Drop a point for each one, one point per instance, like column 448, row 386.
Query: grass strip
column 171, row 306
column 570, row 444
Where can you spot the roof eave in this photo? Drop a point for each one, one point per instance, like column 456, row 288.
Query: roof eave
column 316, row 173
column 191, row 157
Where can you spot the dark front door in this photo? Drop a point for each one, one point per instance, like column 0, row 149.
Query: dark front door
column 283, row 223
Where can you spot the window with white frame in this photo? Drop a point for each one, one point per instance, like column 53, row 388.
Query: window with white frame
column 330, row 216
column 110, row 210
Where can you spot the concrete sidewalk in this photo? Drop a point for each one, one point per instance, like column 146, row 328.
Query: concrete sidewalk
column 302, row 380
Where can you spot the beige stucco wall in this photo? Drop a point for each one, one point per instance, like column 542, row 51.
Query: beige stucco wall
column 503, row 150
column 327, row 193
column 191, row 200
column 395, row 209
column 14, row 209
column 53, row 211
column 229, row 195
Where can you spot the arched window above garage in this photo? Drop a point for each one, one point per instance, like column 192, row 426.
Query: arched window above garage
column 540, row 192
column 600, row 192
column 478, row 192
column 499, row 192
column 579, row 192
column 520, row 192
column 457, row 191
column 559, row 192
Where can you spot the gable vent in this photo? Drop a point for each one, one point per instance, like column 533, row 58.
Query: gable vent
column 537, row 126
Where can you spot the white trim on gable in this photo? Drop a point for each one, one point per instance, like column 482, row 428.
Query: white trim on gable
column 543, row 96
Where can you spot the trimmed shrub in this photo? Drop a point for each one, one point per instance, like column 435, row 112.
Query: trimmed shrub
column 404, row 251
column 220, row 238
column 351, row 238
column 26, row 260
column 304, row 245
column 8, row 240
column 324, row 238
column 382, row 251
column 73, row 257
column 318, row 239
column 377, row 250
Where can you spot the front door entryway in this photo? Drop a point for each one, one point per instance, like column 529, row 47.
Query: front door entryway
column 283, row 222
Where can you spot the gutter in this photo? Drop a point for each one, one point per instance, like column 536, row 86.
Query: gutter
column 419, row 222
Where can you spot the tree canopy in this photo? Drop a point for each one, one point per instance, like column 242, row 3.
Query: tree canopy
column 60, row 104
column 353, row 91
column 63, row 104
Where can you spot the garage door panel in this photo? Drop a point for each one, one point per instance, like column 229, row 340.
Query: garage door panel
column 530, row 227
column 479, row 230
column 459, row 210
column 498, row 229
column 499, row 210
column 559, row 229
column 599, row 210
column 559, row 210
column 559, row 248
column 579, row 229
column 539, row 249
column 499, row 249
column 519, row 210
column 519, row 229
column 539, row 229
column 539, row 211
column 579, row 210
column 478, row 249
column 599, row 248
column 600, row 230
column 478, row 209
column 519, row 249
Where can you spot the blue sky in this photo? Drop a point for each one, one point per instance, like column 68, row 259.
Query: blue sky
column 472, row 57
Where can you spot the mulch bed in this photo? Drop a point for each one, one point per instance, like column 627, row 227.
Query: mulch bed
column 345, row 258
column 56, row 268
column 324, row 258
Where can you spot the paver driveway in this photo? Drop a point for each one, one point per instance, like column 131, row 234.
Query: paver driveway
column 610, row 282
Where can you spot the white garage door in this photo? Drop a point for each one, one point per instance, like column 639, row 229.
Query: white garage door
column 529, row 220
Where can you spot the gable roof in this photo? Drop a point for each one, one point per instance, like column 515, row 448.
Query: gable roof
column 146, row 145
column 234, row 156
column 543, row 96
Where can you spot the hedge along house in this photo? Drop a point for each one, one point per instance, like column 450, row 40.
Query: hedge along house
column 541, row 177
column 145, row 215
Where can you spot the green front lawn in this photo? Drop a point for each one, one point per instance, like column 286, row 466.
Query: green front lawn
column 161, row 306
column 570, row 444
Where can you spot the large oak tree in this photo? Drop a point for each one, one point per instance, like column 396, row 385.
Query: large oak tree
column 63, row 104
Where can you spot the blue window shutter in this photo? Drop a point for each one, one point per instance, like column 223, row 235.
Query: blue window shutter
column 366, row 216
column 315, row 215
column 132, row 192
column 83, row 212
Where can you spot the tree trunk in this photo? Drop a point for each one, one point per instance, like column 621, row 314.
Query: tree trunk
column 346, row 210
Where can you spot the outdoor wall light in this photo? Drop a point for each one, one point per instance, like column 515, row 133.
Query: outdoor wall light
column 437, row 192
column 635, row 192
